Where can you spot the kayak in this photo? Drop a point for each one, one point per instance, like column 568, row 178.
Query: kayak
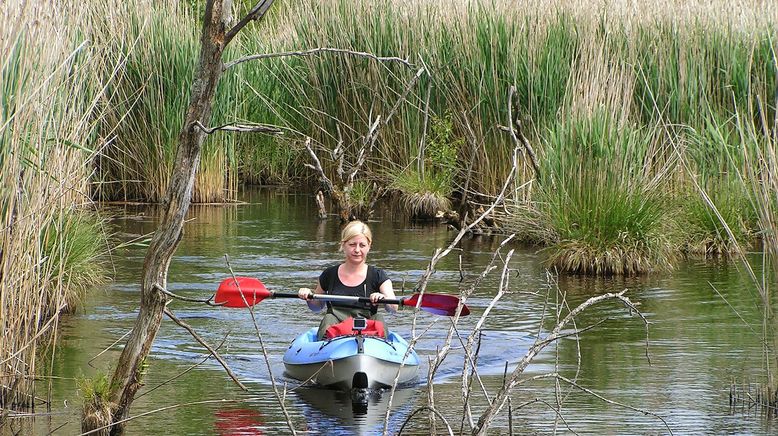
column 358, row 361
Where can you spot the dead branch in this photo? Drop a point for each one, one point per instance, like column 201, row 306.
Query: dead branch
column 241, row 127
column 184, row 372
column 202, row 342
column 316, row 51
column 499, row 401
column 470, row 360
column 255, row 14
column 514, row 127
column 403, row 96
column 264, row 350
column 423, row 408
column 317, row 167
column 208, row 301
column 439, row 254
column 320, row 204
column 411, row 346
column 126, row 379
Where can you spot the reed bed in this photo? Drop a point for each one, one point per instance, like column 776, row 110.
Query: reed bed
column 684, row 59
column 50, row 239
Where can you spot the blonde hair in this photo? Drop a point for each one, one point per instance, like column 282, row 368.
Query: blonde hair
column 355, row 228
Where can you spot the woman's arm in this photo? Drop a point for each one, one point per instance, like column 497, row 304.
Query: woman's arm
column 314, row 305
column 385, row 291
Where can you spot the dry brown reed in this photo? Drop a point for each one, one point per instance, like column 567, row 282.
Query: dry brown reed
column 47, row 110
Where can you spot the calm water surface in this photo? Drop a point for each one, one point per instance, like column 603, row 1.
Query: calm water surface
column 698, row 345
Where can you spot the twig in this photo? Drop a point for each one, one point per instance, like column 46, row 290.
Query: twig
column 108, row 348
column 329, row 363
column 407, row 89
column 411, row 346
column 238, row 127
column 556, row 412
column 255, row 14
column 264, row 350
column 202, row 342
column 616, row 403
column 315, row 51
column 186, row 370
column 209, row 301
column 422, row 408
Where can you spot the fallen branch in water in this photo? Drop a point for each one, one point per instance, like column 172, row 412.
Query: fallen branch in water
column 556, row 333
column 431, row 410
column 202, row 342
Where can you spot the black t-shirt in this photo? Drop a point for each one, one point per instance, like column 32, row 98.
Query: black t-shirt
column 330, row 282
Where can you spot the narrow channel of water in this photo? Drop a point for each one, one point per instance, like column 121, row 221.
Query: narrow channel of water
column 698, row 344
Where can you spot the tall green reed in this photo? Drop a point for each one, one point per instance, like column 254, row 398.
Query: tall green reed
column 157, row 48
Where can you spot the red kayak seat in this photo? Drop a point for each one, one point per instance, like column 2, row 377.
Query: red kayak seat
column 346, row 327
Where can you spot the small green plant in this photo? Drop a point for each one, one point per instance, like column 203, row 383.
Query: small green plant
column 94, row 389
column 425, row 190
column 704, row 232
column 96, row 411
column 440, row 156
column 423, row 196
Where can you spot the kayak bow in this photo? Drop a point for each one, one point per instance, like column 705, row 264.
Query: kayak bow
column 351, row 361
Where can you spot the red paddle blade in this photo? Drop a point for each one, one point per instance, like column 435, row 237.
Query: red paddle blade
column 241, row 292
column 439, row 304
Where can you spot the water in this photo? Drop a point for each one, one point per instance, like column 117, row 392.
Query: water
column 698, row 344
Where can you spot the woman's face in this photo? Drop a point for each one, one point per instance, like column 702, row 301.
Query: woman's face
column 356, row 249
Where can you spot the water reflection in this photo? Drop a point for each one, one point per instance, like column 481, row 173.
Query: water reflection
column 331, row 411
column 239, row 422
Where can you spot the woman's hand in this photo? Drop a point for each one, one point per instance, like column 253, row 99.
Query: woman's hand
column 305, row 294
column 375, row 297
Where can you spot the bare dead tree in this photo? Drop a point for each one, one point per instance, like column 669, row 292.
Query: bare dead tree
column 215, row 36
column 340, row 190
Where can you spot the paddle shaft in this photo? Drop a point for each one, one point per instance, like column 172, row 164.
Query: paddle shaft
column 338, row 298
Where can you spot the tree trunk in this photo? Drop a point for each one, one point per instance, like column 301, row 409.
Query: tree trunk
column 127, row 378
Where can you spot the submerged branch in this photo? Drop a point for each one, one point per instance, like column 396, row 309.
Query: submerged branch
column 421, row 409
column 557, row 333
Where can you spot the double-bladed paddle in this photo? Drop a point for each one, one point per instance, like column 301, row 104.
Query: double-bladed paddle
column 248, row 291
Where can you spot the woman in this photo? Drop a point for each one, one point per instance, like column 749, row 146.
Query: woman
column 353, row 277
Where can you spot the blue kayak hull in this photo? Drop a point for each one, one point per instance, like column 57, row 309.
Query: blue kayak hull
column 342, row 363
